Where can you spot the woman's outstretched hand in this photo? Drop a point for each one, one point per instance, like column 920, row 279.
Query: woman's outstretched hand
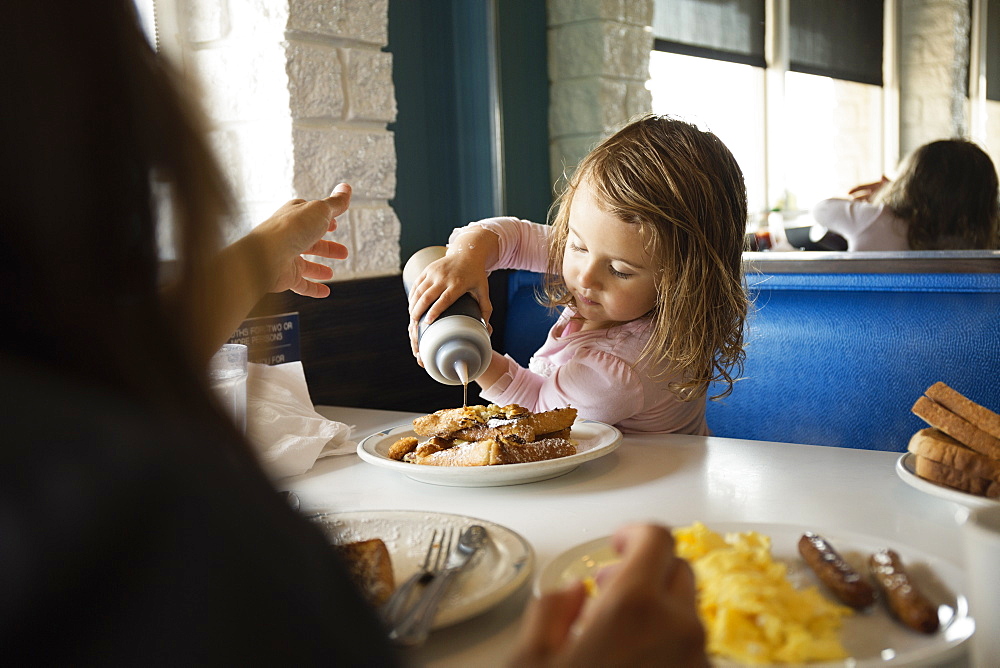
column 297, row 229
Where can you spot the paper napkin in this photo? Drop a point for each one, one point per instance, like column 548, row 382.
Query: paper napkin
column 282, row 425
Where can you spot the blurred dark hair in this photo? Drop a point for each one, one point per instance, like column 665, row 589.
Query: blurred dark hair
column 91, row 117
column 947, row 192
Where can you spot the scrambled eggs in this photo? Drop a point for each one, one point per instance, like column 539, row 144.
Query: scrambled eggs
column 751, row 612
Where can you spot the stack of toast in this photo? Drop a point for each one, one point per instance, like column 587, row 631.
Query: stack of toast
column 961, row 449
column 487, row 436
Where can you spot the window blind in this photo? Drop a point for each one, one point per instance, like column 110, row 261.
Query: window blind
column 835, row 38
column 729, row 30
column 841, row 39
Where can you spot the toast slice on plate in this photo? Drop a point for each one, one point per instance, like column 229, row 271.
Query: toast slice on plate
column 961, row 450
column 938, row 416
column 965, row 408
column 928, row 469
column 370, row 568
column 938, row 446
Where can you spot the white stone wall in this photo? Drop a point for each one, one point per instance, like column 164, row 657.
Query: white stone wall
column 598, row 68
column 934, row 55
column 300, row 94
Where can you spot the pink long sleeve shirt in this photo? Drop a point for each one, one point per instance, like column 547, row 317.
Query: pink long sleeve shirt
column 593, row 371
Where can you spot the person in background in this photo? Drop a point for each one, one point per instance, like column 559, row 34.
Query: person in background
column 137, row 527
column 945, row 198
column 644, row 256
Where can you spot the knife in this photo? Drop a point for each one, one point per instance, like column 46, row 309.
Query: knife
column 416, row 625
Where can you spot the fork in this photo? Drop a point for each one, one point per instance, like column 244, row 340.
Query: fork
column 434, row 560
column 414, row 627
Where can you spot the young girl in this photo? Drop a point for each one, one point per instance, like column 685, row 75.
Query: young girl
column 944, row 198
column 644, row 257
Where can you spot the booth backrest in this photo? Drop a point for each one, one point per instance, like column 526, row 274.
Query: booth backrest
column 838, row 359
column 527, row 321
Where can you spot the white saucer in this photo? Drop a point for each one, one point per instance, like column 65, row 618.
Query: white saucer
column 906, row 470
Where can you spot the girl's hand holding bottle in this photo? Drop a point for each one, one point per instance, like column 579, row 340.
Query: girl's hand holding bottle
column 461, row 270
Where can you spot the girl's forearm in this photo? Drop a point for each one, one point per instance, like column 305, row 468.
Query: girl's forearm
column 494, row 372
column 480, row 244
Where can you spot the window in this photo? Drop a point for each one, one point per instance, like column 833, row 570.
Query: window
column 834, row 138
column 796, row 95
column 732, row 107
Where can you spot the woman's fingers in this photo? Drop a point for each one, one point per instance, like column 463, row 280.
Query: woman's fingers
column 546, row 624
column 314, row 271
column 327, row 248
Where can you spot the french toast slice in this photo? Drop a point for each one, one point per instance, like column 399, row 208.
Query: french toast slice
column 466, row 453
column 477, row 423
column 536, row 451
column 487, row 436
column 446, row 422
column 370, row 568
column 402, row 447
column 493, row 452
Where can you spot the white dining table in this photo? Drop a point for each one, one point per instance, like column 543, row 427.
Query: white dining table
column 670, row 479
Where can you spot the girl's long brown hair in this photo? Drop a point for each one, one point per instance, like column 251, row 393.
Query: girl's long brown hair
column 947, row 192
column 684, row 192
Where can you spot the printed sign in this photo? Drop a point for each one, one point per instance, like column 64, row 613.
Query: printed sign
column 272, row 339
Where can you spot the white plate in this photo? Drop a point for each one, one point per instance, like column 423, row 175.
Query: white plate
column 906, row 469
column 872, row 637
column 502, row 566
column 593, row 439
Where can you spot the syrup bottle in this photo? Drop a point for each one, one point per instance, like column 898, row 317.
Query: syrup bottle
column 455, row 348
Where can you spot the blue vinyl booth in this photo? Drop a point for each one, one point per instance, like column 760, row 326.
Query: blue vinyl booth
column 840, row 345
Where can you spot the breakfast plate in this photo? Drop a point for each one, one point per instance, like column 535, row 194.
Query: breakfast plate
column 872, row 637
column 501, row 567
column 906, row 470
column 593, row 439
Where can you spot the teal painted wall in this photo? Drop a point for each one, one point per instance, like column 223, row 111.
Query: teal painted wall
column 444, row 140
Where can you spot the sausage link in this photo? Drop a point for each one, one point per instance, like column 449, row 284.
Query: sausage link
column 838, row 575
column 905, row 600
